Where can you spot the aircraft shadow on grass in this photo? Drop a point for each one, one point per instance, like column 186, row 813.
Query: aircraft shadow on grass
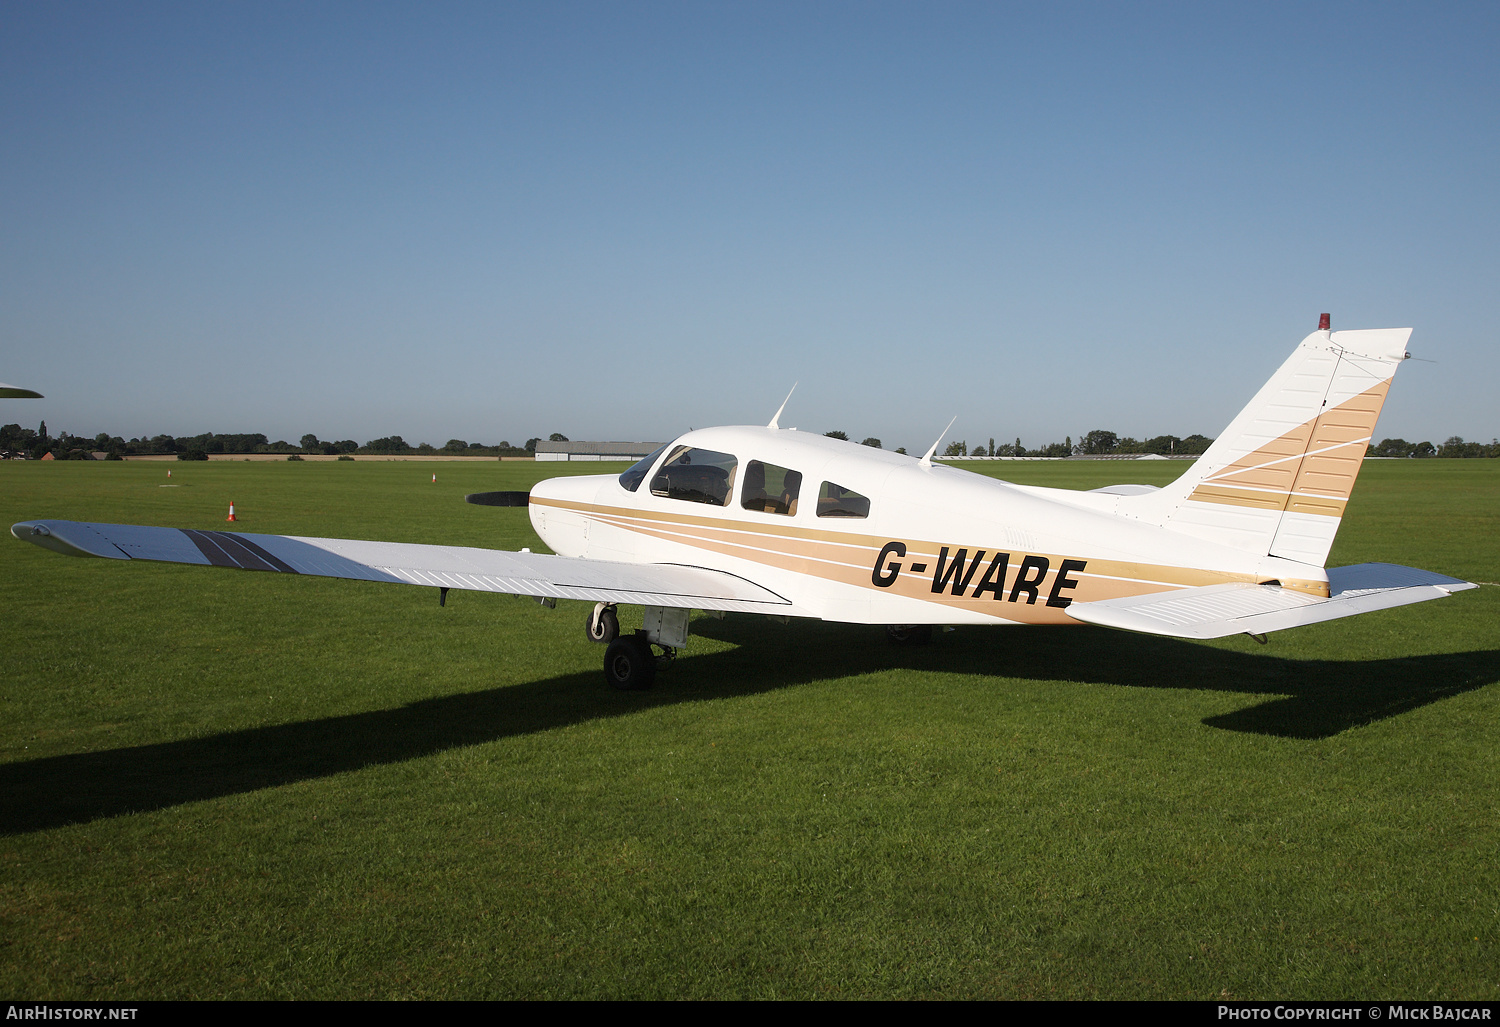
column 1307, row 699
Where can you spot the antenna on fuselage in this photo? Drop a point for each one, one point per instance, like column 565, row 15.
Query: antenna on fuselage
column 926, row 461
column 779, row 409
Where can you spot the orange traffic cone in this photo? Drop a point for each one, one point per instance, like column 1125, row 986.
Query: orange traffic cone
column 169, row 474
column 231, row 516
column 434, row 479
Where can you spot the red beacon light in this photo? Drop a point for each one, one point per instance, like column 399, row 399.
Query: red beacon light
column 1323, row 322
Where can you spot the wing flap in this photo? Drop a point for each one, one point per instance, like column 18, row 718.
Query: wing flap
column 1213, row 611
column 483, row 570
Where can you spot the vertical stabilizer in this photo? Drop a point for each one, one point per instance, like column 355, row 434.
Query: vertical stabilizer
column 1276, row 481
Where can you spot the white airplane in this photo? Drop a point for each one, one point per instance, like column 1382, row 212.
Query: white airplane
column 16, row 392
column 774, row 521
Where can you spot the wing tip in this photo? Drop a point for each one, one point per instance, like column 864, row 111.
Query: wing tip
column 67, row 537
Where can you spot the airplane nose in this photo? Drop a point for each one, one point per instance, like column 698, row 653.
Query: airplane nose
column 558, row 511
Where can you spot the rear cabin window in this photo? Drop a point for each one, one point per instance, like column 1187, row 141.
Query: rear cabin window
column 696, row 476
column 771, row 489
column 837, row 501
column 637, row 472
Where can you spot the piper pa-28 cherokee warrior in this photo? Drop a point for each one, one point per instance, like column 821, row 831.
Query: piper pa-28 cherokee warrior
column 774, row 521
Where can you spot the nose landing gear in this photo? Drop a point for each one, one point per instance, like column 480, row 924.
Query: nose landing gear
column 603, row 625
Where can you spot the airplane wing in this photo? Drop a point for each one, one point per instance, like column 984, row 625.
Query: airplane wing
column 484, row 570
column 1213, row 611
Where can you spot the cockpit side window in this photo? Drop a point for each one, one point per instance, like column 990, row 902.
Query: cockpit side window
column 696, row 476
column 637, row 472
column 771, row 489
column 837, row 501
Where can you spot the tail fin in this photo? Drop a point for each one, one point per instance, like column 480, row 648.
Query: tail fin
column 1276, row 481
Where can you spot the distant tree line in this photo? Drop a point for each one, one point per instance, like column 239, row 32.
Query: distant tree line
column 1455, row 447
column 1095, row 443
column 26, row 443
column 872, row 441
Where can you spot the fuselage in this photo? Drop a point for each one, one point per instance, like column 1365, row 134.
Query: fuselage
column 855, row 534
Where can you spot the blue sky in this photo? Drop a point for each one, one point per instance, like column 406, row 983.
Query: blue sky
column 623, row 220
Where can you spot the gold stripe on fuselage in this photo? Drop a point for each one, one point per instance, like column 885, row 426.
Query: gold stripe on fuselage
column 852, row 558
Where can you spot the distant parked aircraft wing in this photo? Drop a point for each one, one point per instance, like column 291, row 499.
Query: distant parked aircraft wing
column 484, row 570
column 1213, row 611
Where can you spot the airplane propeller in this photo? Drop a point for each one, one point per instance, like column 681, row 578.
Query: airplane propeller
column 498, row 498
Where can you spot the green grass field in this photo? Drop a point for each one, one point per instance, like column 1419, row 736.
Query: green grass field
column 223, row 784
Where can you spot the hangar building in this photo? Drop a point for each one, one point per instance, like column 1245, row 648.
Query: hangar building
column 595, row 450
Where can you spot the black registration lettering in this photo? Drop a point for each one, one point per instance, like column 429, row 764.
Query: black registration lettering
column 1062, row 582
column 955, row 571
column 1025, row 582
column 886, row 568
column 994, row 577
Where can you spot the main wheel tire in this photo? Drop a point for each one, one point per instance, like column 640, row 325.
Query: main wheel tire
column 602, row 629
column 908, row 634
column 629, row 664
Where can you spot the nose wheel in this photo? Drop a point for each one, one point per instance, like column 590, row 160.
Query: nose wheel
column 603, row 624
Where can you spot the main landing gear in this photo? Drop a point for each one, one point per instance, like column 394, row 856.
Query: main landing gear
column 630, row 662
